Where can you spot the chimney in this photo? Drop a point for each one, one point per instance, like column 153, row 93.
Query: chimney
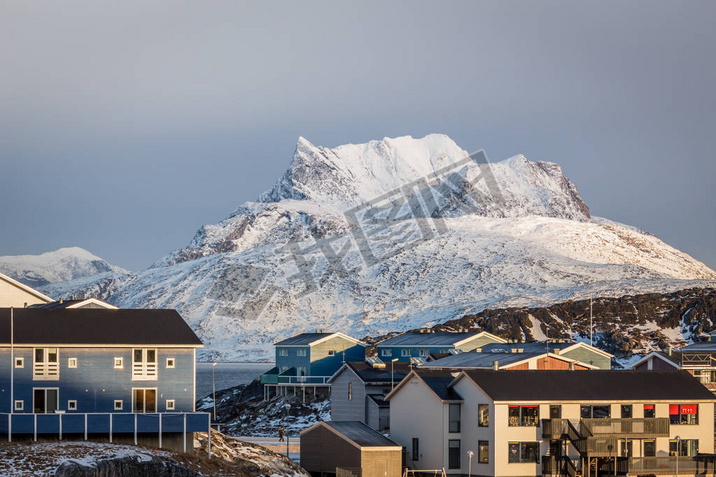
column 669, row 350
column 571, row 366
column 61, row 301
column 495, row 365
column 556, row 351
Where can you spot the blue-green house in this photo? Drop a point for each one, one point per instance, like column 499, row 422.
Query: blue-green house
column 312, row 358
column 422, row 344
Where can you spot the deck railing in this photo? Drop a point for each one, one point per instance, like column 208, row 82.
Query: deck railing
column 110, row 423
column 143, row 371
column 638, row 427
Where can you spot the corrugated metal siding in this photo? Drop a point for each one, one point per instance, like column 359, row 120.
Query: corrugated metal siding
column 477, row 343
column 589, row 357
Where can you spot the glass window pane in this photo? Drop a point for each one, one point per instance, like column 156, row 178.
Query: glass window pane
column 585, row 411
column 52, row 355
column 513, row 452
column 151, row 356
column 555, row 411
column 137, row 355
column 39, row 355
column 483, row 452
column 626, row 411
column 150, row 397
column 483, row 412
column 600, row 412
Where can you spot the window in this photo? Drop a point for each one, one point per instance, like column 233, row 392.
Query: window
column 145, row 400
column 301, row 352
column 524, row 416
column 331, row 352
column 555, row 411
column 650, row 448
column 19, row 362
column 649, row 410
column 350, row 391
column 118, row 363
column 46, row 365
column 454, row 418
column 684, row 413
column 705, row 375
column 423, row 353
column 118, row 405
column 144, row 364
column 301, row 370
column 589, row 411
column 72, row 405
column 45, row 400
column 416, row 448
column 626, row 411
column 454, row 454
column 483, row 452
column 522, row 452
column 483, row 415
column 386, row 353
column 283, row 351
column 19, row 405
column 171, row 363
column 71, row 362
column 627, row 447
column 171, row 404
column 405, row 353
column 686, row 447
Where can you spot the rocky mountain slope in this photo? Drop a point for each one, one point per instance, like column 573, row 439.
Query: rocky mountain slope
column 393, row 235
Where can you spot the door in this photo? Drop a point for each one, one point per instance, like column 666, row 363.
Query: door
column 45, row 400
column 145, row 400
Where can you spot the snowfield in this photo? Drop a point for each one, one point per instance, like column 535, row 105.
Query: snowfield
column 392, row 235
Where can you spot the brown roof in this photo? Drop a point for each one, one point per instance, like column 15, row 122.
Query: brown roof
column 96, row 326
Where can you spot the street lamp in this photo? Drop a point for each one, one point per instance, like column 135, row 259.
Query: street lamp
column 469, row 463
column 213, row 388
column 678, row 450
column 392, row 380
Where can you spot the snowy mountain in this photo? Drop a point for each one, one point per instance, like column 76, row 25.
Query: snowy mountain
column 62, row 265
column 393, row 235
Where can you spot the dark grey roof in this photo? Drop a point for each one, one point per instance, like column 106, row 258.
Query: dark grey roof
column 595, row 385
column 302, row 339
column 56, row 304
column 480, row 360
column 427, row 339
column 361, row 434
column 97, row 326
column 378, row 399
column 700, row 346
column 531, row 347
column 439, row 381
column 674, row 357
column 370, row 374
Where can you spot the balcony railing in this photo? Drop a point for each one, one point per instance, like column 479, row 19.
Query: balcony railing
column 303, row 379
column 46, row 371
column 554, row 465
column 143, row 371
column 625, row 428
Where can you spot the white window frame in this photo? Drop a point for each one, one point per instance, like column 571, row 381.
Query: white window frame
column 171, row 363
column 72, row 405
column 118, row 404
column 145, row 370
column 331, row 352
column 423, row 353
column 156, row 397
column 71, row 362
column 45, row 389
column 45, row 370
column 19, row 362
column 405, row 353
column 386, row 353
column 301, row 352
column 283, row 352
column 118, row 362
column 19, row 405
column 171, row 404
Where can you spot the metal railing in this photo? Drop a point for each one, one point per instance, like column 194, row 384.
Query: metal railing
column 663, row 465
column 558, row 465
column 302, row 379
column 638, row 427
column 349, row 471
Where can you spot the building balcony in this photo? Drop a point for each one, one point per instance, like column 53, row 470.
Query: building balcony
column 626, row 428
column 102, row 423
column 289, row 378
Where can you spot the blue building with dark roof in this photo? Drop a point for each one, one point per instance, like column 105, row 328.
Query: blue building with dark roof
column 311, row 359
column 123, row 375
column 422, row 344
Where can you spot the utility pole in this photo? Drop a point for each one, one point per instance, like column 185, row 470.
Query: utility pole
column 591, row 327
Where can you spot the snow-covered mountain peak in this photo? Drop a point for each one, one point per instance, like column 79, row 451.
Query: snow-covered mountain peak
column 61, row 265
column 354, row 174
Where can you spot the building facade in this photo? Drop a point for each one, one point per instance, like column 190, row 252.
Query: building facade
column 99, row 371
column 422, row 344
column 525, row 423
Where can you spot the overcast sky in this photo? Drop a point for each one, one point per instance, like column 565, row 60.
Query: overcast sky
column 124, row 126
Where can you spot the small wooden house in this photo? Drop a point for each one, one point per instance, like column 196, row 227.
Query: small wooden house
column 349, row 448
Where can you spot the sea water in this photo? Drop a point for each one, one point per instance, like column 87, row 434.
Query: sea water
column 226, row 375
